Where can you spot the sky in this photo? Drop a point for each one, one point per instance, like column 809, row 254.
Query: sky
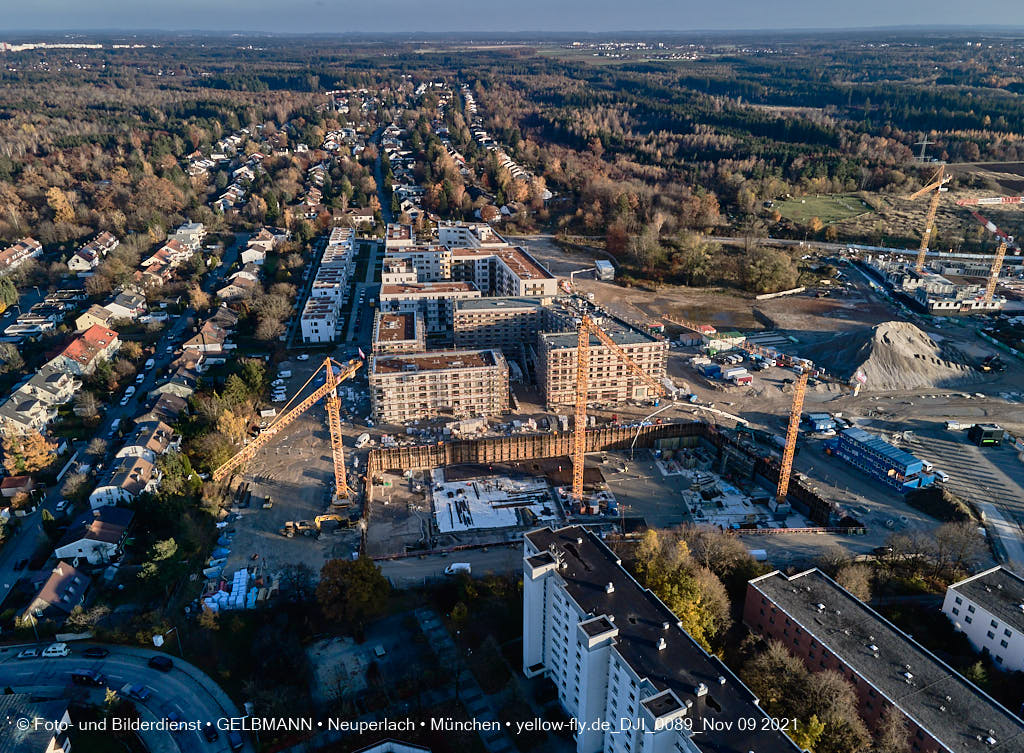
column 341, row 16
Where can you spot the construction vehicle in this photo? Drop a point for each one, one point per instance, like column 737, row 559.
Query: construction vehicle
column 938, row 185
column 313, row 527
column 586, row 328
column 792, row 430
column 334, row 374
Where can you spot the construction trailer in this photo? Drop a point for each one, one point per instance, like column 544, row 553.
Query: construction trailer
column 605, row 270
column 986, row 435
column 880, row 460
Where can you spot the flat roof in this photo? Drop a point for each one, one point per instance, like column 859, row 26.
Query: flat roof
column 396, row 327
column 433, row 361
column 682, row 666
column 414, row 288
column 619, row 331
column 927, row 690
column 999, row 591
column 524, row 265
column 492, row 303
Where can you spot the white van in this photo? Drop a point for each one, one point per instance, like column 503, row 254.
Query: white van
column 150, row 363
column 362, row 440
column 458, row 567
column 284, row 374
column 56, row 649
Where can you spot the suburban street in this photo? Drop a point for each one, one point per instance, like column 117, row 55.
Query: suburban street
column 184, row 690
column 30, row 534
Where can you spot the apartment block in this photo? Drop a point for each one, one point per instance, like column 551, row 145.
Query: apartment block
column 431, row 263
column 319, row 320
column 398, row 236
column 398, row 333
column 398, row 272
column 458, row 383
column 610, row 380
column 829, row 628
column 503, row 271
column 468, row 234
column 435, row 301
column 508, row 324
column 989, row 609
column 625, row 669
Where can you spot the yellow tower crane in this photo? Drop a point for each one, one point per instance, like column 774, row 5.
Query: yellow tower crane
column 588, row 327
column 993, row 274
column 789, row 451
column 334, row 374
column 937, row 184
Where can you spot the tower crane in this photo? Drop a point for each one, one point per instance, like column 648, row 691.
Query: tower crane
column 334, row 374
column 789, row 451
column 993, row 274
column 588, row 327
column 937, row 184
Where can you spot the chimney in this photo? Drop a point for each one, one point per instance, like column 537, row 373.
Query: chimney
column 609, row 588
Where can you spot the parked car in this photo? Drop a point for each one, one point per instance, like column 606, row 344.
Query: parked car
column 302, row 357
column 62, row 505
column 210, row 732
column 29, row 653
column 87, row 677
column 140, row 378
column 277, row 383
column 161, row 662
column 21, row 564
column 140, row 692
column 235, row 740
column 96, row 652
column 56, row 649
column 150, row 363
column 130, row 391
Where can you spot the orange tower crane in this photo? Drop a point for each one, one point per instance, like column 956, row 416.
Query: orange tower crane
column 791, row 433
column 588, row 327
column 937, row 184
column 334, row 374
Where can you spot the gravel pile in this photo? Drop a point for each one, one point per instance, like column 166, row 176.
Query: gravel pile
column 893, row 356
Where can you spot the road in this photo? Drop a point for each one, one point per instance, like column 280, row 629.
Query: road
column 410, row 571
column 30, row 533
column 378, row 175
column 185, row 690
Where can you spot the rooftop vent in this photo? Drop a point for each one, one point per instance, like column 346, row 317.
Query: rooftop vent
column 609, row 587
column 872, row 648
column 908, row 676
column 700, row 690
column 664, row 625
column 820, row 606
column 579, row 539
column 721, row 679
column 661, row 644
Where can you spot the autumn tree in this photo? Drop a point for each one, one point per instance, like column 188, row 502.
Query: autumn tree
column 892, row 735
column 61, row 206
column 27, row 452
column 351, row 592
column 10, row 358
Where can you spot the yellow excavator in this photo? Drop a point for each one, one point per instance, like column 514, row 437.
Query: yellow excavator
column 312, row 527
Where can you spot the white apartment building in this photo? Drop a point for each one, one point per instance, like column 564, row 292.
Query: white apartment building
column 398, row 236
column 434, row 300
column 458, row 383
column 989, row 609
column 398, row 333
column 633, row 679
column 319, row 320
column 431, row 263
column 468, row 234
column 398, row 272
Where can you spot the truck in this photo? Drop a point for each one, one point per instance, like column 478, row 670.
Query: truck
column 734, row 371
column 742, row 380
column 458, row 567
column 362, row 440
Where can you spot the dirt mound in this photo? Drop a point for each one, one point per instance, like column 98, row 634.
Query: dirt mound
column 892, row 356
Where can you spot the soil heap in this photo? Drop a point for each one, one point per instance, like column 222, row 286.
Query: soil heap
column 892, row 356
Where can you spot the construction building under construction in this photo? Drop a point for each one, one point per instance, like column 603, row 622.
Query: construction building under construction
column 609, row 378
column 399, row 333
column 457, row 383
column 509, row 324
column 931, row 291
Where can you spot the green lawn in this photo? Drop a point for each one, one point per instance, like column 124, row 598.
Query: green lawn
column 828, row 209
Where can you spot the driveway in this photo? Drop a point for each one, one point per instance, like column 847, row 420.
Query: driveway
column 185, row 690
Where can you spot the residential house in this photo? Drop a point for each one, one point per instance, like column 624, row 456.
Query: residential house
column 88, row 256
column 33, row 404
column 150, row 440
column 172, row 254
column 210, row 339
column 253, row 255
column 12, row 486
column 264, row 240
column 167, row 408
column 190, row 235
column 95, row 314
column 47, row 730
column 358, row 218
column 20, row 414
column 182, row 383
column 127, row 306
column 16, row 255
column 63, row 590
column 51, row 385
column 86, row 350
column 239, row 285
column 97, row 536
column 127, row 479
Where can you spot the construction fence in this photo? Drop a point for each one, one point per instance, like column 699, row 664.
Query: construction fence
column 534, row 446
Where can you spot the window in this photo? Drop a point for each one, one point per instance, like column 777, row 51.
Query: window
column 956, row 611
column 994, row 624
column 968, row 620
column 958, row 600
column 1008, row 633
column 1004, row 644
column 970, row 608
column 999, row 659
column 990, row 635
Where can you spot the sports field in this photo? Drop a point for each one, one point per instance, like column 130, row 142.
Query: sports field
column 827, row 208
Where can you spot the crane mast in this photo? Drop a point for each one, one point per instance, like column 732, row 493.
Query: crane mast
column 993, row 275
column 328, row 390
column 588, row 327
column 939, row 180
column 791, row 434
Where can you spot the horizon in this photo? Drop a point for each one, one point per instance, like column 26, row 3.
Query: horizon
column 400, row 17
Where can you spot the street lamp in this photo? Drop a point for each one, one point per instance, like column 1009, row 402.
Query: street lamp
column 158, row 640
column 632, row 445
